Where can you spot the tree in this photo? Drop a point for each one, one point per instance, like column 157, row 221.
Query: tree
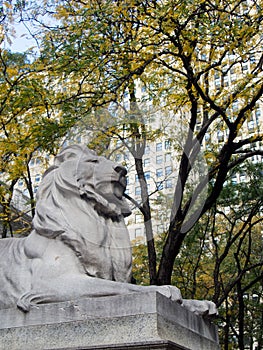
column 202, row 58
column 221, row 260
column 28, row 128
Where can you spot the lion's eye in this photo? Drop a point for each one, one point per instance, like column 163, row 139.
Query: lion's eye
column 91, row 161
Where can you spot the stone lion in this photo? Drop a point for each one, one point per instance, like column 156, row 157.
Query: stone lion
column 79, row 246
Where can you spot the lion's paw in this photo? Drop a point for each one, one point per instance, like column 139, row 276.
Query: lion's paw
column 203, row 308
column 29, row 299
column 24, row 302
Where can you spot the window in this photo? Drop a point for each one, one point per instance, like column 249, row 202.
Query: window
column 242, row 177
column 159, row 172
column 159, row 159
column 251, row 125
column 136, row 178
column 245, row 67
column 167, row 144
column 235, row 106
column 217, row 83
column 159, row 185
column 159, row 146
column 168, row 183
column 147, row 175
column 138, row 232
column 26, row 193
column 137, row 191
column 217, row 76
column 207, row 137
column 118, row 157
column 38, row 178
column 119, row 143
column 258, row 113
column 126, row 156
column 220, row 136
column 167, row 157
column 233, row 77
column 146, row 161
column 160, row 229
column 234, row 180
column 138, row 219
column 168, row 170
column 147, row 149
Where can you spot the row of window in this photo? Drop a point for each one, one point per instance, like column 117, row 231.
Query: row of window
column 166, row 184
column 35, row 161
column 37, row 179
column 159, row 147
column 139, row 232
column 160, row 172
column 160, row 158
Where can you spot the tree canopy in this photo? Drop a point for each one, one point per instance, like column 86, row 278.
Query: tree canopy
column 202, row 58
column 198, row 58
column 109, row 67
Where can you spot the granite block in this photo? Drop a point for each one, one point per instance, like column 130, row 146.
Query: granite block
column 132, row 321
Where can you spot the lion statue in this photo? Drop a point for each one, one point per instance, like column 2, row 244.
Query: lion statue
column 79, row 246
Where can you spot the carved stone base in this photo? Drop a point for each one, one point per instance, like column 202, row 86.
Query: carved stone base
column 133, row 321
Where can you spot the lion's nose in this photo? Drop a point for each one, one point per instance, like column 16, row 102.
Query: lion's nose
column 121, row 170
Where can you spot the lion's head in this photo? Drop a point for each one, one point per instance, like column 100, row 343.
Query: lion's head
column 80, row 173
column 80, row 202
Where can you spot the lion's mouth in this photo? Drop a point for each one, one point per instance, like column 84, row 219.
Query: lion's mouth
column 120, row 187
column 123, row 182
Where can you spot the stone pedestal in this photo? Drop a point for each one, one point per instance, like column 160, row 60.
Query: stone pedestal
column 132, row 321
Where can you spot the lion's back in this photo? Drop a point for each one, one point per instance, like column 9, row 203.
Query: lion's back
column 14, row 271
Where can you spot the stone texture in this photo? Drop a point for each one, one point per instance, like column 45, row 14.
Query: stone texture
column 132, row 321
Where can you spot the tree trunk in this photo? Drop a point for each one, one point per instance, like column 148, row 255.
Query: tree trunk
column 241, row 315
column 170, row 251
column 146, row 210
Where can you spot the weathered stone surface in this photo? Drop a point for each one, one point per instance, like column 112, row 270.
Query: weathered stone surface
column 135, row 321
column 79, row 246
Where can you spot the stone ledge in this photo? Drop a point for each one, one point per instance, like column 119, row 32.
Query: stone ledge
column 158, row 345
column 107, row 323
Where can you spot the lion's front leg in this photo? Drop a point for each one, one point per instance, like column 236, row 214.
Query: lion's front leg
column 68, row 287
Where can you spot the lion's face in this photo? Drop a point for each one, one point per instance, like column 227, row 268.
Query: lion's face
column 81, row 176
column 103, row 176
column 99, row 180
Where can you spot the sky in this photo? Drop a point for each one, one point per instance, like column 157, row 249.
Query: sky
column 21, row 42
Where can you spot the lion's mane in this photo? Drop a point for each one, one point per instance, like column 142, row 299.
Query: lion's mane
column 64, row 180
